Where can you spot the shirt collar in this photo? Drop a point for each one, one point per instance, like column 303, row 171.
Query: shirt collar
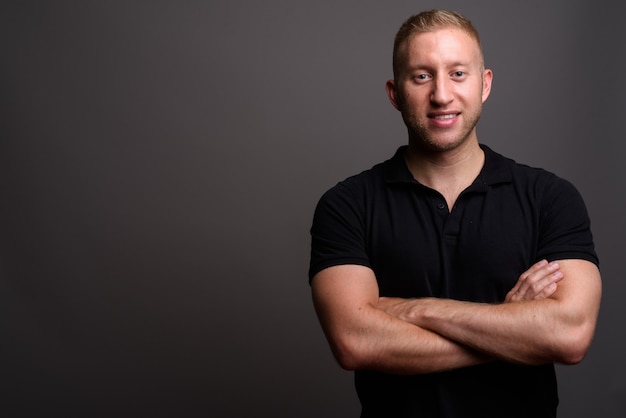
column 495, row 170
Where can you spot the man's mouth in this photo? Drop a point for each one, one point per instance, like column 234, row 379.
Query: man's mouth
column 443, row 117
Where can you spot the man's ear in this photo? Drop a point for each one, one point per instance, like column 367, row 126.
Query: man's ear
column 392, row 93
column 487, row 79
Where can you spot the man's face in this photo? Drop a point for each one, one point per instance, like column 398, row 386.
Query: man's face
column 440, row 88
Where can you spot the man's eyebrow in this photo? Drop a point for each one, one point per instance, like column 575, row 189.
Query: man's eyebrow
column 455, row 64
column 418, row 67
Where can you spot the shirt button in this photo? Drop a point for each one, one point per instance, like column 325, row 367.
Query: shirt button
column 441, row 205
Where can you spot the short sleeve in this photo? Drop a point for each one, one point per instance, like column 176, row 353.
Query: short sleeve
column 338, row 232
column 564, row 224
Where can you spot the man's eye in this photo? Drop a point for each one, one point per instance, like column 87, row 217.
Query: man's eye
column 458, row 73
column 421, row 77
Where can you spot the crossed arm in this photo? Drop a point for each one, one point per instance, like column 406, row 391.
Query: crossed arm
column 549, row 316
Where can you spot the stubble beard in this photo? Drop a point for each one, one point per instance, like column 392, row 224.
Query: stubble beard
column 420, row 137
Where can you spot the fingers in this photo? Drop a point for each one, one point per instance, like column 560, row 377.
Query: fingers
column 523, row 278
column 538, row 282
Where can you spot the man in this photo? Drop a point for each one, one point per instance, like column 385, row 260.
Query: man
column 450, row 278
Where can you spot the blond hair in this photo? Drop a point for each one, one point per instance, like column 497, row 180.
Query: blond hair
column 429, row 21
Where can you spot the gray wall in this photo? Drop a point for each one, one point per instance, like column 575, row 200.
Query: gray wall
column 159, row 166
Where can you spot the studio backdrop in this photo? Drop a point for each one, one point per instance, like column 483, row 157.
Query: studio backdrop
column 159, row 166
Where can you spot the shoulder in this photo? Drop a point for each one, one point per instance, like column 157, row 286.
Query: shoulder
column 347, row 200
column 540, row 181
column 555, row 204
column 368, row 183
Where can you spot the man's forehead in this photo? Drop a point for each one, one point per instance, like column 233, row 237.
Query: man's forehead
column 441, row 38
column 446, row 43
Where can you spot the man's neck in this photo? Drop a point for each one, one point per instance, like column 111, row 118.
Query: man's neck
column 448, row 172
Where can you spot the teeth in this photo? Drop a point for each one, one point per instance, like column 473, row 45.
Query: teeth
column 445, row 116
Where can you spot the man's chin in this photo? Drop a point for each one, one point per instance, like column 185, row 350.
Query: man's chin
column 439, row 144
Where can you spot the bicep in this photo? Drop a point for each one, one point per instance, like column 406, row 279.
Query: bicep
column 340, row 293
column 345, row 297
column 578, row 295
column 581, row 288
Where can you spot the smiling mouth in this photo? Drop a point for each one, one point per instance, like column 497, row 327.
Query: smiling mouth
column 444, row 117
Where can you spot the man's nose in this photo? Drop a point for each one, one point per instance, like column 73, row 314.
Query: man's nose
column 442, row 91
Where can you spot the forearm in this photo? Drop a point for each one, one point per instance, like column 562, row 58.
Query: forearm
column 529, row 332
column 540, row 322
column 525, row 332
column 391, row 345
column 364, row 336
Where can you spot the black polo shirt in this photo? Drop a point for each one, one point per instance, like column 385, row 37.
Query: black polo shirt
column 509, row 218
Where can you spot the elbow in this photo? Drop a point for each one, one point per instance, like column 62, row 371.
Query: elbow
column 349, row 355
column 572, row 358
column 574, row 346
column 347, row 361
column 574, row 354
